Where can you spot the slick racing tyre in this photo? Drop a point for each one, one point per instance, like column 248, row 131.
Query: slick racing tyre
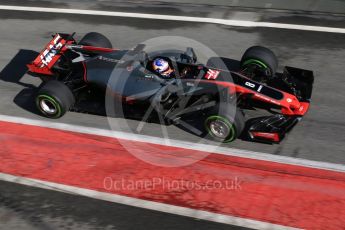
column 259, row 63
column 54, row 99
column 224, row 126
column 95, row 39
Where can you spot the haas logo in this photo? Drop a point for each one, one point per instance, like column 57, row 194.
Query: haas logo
column 48, row 54
column 212, row 74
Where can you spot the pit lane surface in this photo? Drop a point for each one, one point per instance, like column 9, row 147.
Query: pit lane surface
column 318, row 137
column 34, row 209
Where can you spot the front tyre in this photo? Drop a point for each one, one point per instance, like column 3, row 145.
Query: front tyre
column 224, row 127
column 259, row 63
column 54, row 99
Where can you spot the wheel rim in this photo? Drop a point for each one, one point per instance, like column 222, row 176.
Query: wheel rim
column 47, row 106
column 219, row 129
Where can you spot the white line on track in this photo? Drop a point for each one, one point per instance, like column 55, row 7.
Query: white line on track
column 228, row 22
column 176, row 143
column 172, row 209
column 208, row 216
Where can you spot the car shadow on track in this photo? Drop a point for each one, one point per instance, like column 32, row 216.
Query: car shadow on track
column 14, row 71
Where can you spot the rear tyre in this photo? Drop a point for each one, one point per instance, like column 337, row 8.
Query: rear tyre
column 224, row 126
column 259, row 62
column 96, row 39
column 54, row 99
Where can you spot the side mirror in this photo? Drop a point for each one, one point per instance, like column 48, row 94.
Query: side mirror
column 191, row 55
column 143, row 58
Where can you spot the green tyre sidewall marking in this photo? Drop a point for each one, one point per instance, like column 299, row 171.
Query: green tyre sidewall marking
column 53, row 101
column 232, row 134
column 255, row 61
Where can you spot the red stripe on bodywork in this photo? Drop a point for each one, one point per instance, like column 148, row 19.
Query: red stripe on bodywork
column 289, row 103
column 98, row 49
column 85, row 72
column 268, row 136
column 272, row 192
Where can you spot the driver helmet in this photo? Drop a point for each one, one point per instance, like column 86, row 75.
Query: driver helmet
column 162, row 67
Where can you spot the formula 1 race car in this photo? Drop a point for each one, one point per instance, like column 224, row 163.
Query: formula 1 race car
column 75, row 74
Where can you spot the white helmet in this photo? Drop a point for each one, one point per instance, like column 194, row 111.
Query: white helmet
column 162, row 67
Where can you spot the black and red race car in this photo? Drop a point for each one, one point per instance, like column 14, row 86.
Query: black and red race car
column 77, row 74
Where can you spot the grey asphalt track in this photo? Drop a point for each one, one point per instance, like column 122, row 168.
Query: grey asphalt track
column 38, row 209
column 320, row 136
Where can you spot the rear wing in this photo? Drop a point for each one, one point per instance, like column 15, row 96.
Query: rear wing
column 51, row 54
